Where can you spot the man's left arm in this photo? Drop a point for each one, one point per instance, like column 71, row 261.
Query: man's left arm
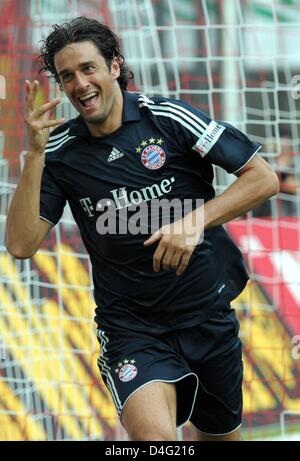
column 256, row 182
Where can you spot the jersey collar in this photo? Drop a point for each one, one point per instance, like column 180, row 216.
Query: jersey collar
column 131, row 113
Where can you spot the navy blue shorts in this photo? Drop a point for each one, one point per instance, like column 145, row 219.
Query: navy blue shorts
column 204, row 361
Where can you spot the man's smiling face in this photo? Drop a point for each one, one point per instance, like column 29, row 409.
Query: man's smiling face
column 87, row 81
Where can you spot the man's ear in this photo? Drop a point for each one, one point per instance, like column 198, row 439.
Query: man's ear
column 115, row 68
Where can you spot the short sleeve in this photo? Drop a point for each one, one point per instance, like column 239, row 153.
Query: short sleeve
column 218, row 142
column 52, row 199
column 226, row 146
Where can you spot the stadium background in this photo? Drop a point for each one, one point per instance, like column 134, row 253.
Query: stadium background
column 237, row 60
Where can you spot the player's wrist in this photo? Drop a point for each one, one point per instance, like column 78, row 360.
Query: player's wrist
column 35, row 157
column 35, row 153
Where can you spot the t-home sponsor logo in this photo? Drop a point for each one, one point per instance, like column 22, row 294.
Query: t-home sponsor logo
column 209, row 138
column 124, row 199
column 2, row 87
column 128, row 212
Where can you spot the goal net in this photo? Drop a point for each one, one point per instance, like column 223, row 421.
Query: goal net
column 237, row 61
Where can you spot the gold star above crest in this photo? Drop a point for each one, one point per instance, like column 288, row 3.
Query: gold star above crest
column 160, row 141
column 132, row 361
column 151, row 140
column 138, row 150
column 144, row 143
column 120, row 364
column 126, row 361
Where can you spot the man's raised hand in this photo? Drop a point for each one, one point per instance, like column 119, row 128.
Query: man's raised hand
column 38, row 120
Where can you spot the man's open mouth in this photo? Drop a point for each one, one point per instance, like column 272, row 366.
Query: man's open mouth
column 89, row 99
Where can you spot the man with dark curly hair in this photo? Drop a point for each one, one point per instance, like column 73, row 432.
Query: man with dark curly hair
column 170, row 350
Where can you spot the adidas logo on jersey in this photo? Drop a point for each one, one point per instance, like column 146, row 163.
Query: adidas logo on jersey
column 114, row 155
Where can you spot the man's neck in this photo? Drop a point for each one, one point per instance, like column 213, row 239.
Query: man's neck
column 113, row 120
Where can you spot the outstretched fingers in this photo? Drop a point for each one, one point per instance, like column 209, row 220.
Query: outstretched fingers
column 39, row 118
column 43, row 123
column 31, row 93
column 47, row 107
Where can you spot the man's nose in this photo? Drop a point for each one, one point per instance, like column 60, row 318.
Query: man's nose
column 81, row 81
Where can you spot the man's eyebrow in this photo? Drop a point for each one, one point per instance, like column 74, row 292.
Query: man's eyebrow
column 82, row 64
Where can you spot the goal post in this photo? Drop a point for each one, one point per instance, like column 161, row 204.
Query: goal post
column 237, row 61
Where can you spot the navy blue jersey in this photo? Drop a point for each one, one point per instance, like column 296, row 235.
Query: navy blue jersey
column 164, row 149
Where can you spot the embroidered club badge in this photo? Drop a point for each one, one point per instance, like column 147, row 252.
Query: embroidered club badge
column 153, row 157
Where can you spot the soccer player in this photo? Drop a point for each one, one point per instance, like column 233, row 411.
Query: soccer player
column 170, row 350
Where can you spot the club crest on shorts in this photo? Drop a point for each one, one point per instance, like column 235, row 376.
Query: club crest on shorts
column 153, row 157
column 126, row 370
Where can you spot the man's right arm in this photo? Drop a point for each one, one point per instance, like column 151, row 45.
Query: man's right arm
column 25, row 230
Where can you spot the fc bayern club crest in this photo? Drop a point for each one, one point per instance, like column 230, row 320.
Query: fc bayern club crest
column 127, row 372
column 153, row 157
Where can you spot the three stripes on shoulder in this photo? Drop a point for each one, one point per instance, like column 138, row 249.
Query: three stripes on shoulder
column 57, row 140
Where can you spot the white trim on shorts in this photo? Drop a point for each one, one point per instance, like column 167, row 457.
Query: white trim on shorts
column 45, row 219
column 219, row 435
column 166, row 381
